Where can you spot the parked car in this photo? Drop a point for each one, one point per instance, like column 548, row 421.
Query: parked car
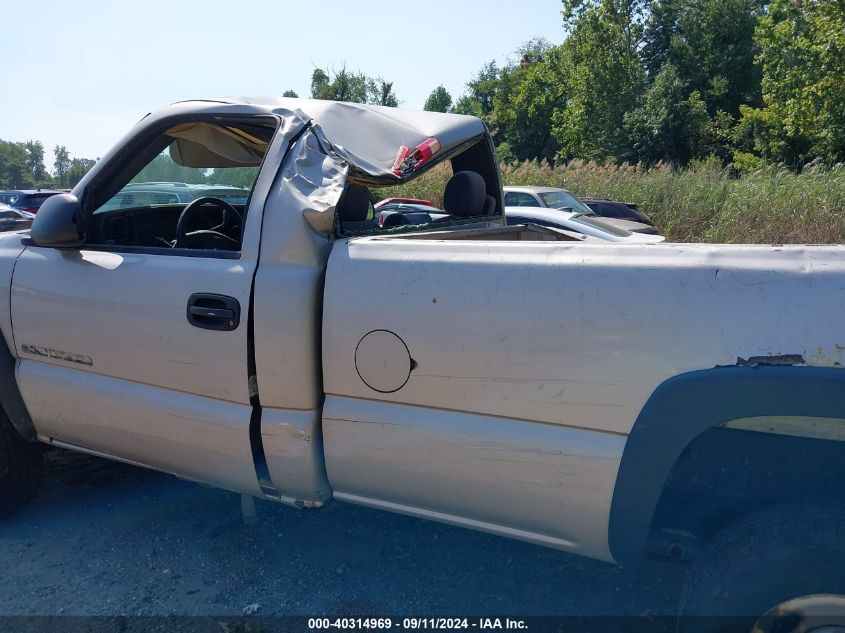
column 141, row 194
column 617, row 210
column 404, row 213
column 685, row 401
column 382, row 203
column 556, row 198
column 588, row 225
column 12, row 219
column 396, row 214
column 29, row 200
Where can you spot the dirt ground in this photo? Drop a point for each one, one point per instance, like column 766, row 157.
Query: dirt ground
column 104, row 539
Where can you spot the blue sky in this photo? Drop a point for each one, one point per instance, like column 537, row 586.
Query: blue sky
column 82, row 73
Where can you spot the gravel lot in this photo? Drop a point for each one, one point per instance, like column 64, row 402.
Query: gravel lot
column 105, row 538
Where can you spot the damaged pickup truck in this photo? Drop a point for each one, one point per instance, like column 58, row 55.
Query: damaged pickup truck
column 618, row 401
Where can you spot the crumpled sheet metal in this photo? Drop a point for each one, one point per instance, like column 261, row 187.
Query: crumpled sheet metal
column 347, row 136
column 369, row 137
column 314, row 179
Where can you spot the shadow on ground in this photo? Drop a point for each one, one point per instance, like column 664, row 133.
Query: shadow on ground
column 106, row 538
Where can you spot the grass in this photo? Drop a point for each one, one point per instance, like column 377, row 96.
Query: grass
column 703, row 203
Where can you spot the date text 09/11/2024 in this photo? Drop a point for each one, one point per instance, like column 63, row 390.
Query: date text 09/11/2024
column 416, row 623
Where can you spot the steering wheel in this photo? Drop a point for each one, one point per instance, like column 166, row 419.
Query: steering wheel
column 207, row 238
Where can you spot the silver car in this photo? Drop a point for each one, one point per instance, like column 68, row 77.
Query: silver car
column 555, row 198
column 595, row 227
column 12, row 219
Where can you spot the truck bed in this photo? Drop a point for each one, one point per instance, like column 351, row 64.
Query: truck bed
column 530, row 361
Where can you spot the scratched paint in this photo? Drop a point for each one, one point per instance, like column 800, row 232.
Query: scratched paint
column 47, row 352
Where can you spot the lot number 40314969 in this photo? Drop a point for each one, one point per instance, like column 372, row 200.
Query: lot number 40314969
column 411, row 623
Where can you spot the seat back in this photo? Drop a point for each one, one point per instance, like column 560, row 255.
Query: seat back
column 465, row 194
column 354, row 204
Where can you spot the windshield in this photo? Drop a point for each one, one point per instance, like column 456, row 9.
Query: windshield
column 564, row 200
column 163, row 181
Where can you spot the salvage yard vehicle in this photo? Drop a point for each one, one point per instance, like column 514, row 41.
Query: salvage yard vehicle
column 12, row 219
column 617, row 401
column 592, row 226
column 618, row 210
column 404, row 213
column 144, row 194
column 556, row 198
column 28, row 200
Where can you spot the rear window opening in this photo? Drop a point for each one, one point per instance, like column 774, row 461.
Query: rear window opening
column 519, row 233
column 457, row 189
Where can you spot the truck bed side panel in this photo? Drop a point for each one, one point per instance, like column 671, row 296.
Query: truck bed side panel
column 520, row 348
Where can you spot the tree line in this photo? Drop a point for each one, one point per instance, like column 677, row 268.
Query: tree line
column 22, row 167
column 746, row 82
column 749, row 82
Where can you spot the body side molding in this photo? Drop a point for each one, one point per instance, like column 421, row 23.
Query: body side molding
column 685, row 406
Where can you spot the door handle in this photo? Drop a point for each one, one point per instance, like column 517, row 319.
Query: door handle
column 213, row 311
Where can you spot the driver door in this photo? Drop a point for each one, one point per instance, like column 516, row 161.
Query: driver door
column 139, row 351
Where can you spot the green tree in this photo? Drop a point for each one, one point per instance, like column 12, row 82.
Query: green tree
column 671, row 124
column 356, row 87
column 466, row 104
column 711, row 44
column 78, row 168
column 628, row 16
column 243, row 177
column 290, row 93
column 319, row 83
column 163, row 169
column 481, row 90
column 380, row 92
column 438, row 101
column 531, row 89
column 35, row 160
column 61, row 164
column 661, row 27
column 14, row 171
column 802, row 52
column 604, row 77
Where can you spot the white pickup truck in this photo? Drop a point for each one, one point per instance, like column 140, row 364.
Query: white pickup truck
column 618, row 401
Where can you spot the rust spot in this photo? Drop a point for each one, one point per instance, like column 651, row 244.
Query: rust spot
column 776, row 359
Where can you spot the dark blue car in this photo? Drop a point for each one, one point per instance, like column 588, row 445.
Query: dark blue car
column 29, row 200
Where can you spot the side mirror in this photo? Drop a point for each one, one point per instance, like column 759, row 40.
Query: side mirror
column 56, row 223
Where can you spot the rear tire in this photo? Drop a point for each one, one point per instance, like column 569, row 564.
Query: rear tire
column 20, row 469
column 783, row 562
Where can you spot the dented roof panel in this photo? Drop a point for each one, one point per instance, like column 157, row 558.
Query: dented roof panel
column 367, row 136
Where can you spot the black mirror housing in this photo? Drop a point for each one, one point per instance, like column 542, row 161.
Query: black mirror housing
column 57, row 222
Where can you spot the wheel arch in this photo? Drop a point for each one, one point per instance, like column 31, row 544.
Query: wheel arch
column 10, row 395
column 685, row 406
